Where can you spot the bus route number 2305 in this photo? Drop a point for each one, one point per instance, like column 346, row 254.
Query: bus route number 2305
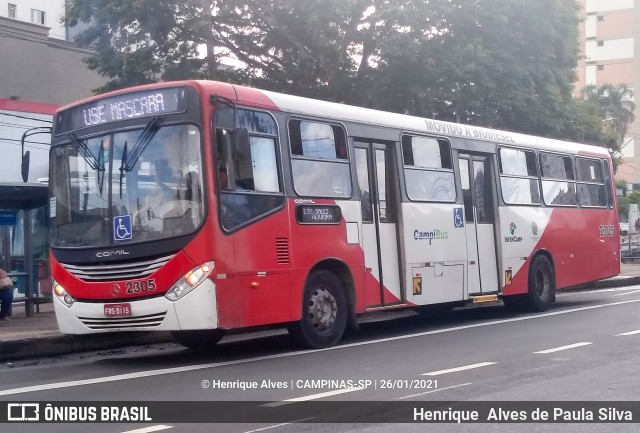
column 141, row 286
column 607, row 231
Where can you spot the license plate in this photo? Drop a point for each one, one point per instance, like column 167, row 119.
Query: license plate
column 112, row 310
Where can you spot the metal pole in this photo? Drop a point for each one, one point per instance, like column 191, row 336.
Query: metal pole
column 28, row 263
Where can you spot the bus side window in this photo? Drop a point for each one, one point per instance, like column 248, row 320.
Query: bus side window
column 428, row 170
column 319, row 162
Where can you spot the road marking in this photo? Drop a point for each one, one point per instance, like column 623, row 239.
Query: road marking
column 463, row 368
column 149, row 429
column 569, row 346
column 433, row 390
column 278, row 425
column 628, row 293
column 313, row 396
column 151, row 373
column 629, row 333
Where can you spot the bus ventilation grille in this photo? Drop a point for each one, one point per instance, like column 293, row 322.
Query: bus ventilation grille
column 123, row 322
column 282, row 250
column 117, row 271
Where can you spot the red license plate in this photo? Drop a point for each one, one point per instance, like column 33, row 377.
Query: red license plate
column 112, row 310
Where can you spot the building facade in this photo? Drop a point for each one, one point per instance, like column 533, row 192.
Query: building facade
column 610, row 43
column 40, row 69
column 45, row 13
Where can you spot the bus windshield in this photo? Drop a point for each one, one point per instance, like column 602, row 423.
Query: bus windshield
column 126, row 187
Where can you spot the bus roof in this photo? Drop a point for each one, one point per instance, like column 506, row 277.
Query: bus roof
column 342, row 112
column 312, row 107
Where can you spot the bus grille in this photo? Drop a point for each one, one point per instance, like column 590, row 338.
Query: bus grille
column 282, row 250
column 117, row 271
column 123, row 322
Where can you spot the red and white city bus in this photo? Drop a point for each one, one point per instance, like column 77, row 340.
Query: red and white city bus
column 197, row 207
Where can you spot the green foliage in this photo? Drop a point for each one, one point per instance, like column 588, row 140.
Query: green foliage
column 615, row 107
column 634, row 197
column 507, row 64
column 623, row 208
column 621, row 184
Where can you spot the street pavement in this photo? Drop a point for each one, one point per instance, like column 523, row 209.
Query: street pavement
column 38, row 336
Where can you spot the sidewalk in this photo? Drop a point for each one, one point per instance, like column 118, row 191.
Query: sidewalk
column 38, row 336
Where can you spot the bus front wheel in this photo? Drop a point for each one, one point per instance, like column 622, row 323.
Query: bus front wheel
column 542, row 284
column 324, row 312
column 200, row 340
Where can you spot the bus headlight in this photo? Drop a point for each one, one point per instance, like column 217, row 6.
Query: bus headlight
column 190, row 281
column 62, row 294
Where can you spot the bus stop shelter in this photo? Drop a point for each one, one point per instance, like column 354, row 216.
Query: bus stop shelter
column 24, row 239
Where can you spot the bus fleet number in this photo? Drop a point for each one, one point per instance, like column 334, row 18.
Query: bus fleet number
column 607, row 231
column 141, row 286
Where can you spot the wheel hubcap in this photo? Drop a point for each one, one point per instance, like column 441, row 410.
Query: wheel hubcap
column 542, row 283
column 323, row 309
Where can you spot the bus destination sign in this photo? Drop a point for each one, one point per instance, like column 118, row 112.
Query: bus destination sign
column 153, row 102
column 318, row 214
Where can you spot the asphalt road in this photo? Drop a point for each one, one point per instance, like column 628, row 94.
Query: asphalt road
column 586, row 348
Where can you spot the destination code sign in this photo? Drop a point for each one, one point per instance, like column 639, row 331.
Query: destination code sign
column 318, row 214
column 127, row 106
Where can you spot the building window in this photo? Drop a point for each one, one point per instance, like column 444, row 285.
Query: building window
column 600, row 17
column 37, row 16
column 12, row 11
column 601, row 43
column 600, row 67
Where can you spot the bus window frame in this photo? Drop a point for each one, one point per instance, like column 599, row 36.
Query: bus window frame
column 216, row 162
column 512, row 176
column 406, row 167
column 348, row 161
column 553, row 179
column 603, row 184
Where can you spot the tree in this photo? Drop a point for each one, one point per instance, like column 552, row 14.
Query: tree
column 615, row 108
column 506, row 64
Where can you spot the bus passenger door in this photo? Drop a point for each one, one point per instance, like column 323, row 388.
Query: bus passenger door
column 379, row 238
column 477, row 191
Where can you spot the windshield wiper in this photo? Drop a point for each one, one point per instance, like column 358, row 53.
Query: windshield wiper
column 81, row 145
column 145, row 137
column 100, row 177
column 96, row 164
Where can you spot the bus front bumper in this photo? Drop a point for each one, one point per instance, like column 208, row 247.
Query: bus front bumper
column 196, row 310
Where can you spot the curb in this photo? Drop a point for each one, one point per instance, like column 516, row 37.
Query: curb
column 65, row 344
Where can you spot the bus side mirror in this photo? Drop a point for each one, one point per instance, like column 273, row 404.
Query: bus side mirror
column 26, row 155
column 240, row 142
column 25, row 166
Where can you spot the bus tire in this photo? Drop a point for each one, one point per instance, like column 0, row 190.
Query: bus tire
column 542, row 284
column 324, row 312
column 202, row 340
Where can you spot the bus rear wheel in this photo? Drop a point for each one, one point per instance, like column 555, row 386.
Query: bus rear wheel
column 324, row 312
column 542, row 284
column 199, row 340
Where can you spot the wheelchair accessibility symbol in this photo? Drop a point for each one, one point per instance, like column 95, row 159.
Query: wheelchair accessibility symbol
column 122, row 228
column 458, row 217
